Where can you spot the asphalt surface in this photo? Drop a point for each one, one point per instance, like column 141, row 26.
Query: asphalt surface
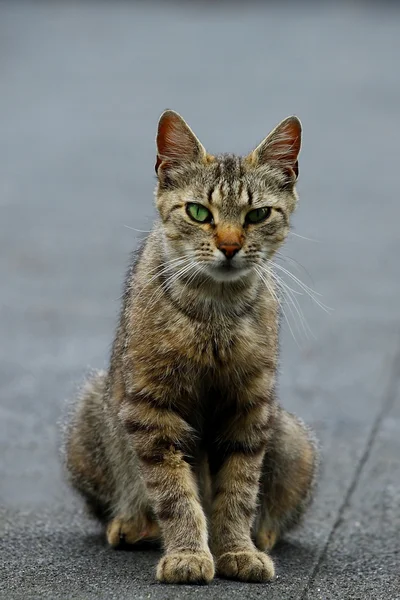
column 81, row 89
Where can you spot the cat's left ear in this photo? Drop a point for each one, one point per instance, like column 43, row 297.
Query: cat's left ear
column 176, row 142
column 281, row 147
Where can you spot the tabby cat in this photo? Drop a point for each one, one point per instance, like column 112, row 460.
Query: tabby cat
column 182, row 439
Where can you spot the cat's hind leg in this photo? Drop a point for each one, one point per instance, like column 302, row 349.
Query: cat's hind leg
column 103, row 467
column 288, row 479
column 84, row 447
column 141, row 528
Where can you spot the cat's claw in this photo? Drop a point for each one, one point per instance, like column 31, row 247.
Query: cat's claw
column 186, row 567
column 246, row 566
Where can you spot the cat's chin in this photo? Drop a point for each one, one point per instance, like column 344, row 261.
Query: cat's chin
column 226, row 274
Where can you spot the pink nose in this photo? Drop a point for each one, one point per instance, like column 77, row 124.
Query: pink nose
column 229, row 249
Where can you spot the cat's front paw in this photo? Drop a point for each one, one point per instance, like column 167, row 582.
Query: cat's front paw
column 246, row 566
column 186, row 567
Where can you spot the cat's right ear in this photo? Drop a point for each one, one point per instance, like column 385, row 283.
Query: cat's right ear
column 176, row 143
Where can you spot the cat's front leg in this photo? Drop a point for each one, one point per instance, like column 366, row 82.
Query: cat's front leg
column 236, row 462
column 160, row 437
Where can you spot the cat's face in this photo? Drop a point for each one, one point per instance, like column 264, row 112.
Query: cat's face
column 224, row 215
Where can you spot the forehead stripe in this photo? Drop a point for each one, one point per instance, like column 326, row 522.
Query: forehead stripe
column 240, row 188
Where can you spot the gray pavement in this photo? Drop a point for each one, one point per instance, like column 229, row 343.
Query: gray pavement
column 81, row 89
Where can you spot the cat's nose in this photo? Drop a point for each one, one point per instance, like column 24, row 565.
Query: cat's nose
column 229, row 249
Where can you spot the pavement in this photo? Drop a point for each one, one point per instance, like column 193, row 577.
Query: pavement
column 82, row 85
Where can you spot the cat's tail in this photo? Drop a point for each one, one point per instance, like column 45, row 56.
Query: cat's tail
column 84, row 449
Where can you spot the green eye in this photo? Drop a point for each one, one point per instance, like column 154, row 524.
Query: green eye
column 258, row 214
column 198, row 212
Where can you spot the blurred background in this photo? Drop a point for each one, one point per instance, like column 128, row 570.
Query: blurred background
column 82, row 85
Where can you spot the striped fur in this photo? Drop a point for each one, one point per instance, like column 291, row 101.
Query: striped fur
column 182, row 438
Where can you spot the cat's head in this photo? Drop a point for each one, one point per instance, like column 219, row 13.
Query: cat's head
column 224, row 215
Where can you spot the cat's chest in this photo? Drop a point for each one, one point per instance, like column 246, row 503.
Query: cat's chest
column 220, row 342
column 191, row 352
column 227, row 344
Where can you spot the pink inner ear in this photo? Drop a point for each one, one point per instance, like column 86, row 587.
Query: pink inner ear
column 167, row 147
column 285, row 146
column 175, row 141
column 162, row 135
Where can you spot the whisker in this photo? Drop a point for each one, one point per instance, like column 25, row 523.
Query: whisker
column 168, row 282
column 163, row 269
column 303, row 237
column 198, row 269
column 297, row 265
column 139, row 230
column 306, row 287
column 169, row 262
column 272, row 292
column 296, row 305
column 291, row 301
column 309, row 291
column 286, row 284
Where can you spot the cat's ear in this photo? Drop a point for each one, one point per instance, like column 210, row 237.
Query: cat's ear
column 176, row 142
column 281, row 147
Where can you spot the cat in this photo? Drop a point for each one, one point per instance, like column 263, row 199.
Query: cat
column 182, row 439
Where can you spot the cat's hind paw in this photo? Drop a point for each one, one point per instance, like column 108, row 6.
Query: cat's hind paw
column 266, row 540
column 131, row 531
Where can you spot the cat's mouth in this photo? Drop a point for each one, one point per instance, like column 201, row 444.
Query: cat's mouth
column 227, row 271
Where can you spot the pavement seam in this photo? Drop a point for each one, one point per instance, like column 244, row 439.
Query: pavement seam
column 394, row 376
